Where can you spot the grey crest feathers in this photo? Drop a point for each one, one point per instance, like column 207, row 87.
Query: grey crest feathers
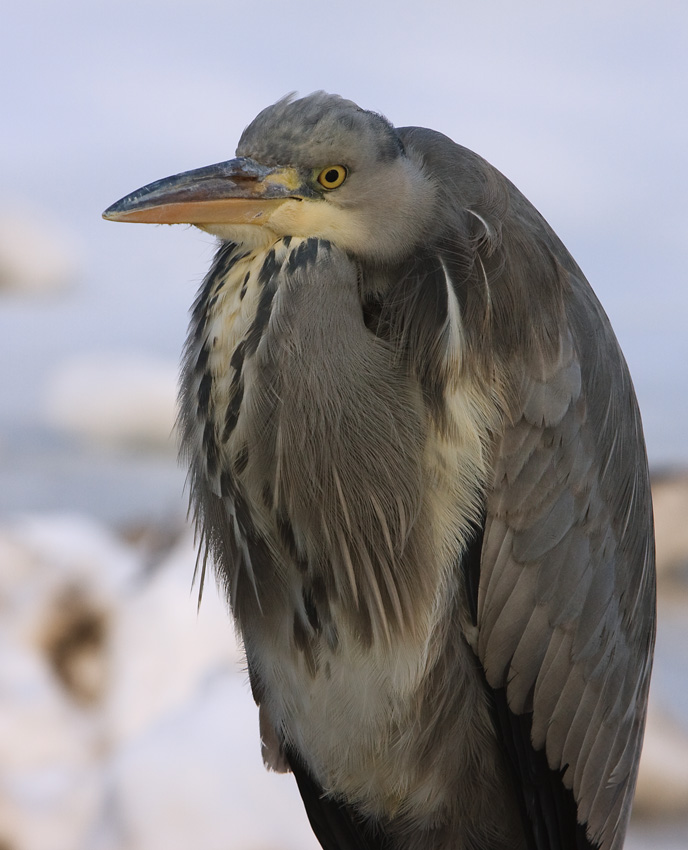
column 316, row 131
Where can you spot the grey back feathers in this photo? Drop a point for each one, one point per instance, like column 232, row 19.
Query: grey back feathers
column 420, row 471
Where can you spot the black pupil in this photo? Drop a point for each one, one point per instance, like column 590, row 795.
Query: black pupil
column 332, row 176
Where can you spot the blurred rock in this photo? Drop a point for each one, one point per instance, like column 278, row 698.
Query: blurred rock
column 118, row 399
column 670, row 500
column 662, row 789
column 37, row 256
column 59, row 570
column 60, row 579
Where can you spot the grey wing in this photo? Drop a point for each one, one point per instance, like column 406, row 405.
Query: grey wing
column 566, row 603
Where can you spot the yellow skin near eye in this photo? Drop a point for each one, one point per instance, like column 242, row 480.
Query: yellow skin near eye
column 332, row 176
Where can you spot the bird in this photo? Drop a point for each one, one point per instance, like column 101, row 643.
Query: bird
column 417, row 466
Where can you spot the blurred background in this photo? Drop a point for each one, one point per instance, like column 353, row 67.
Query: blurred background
column 126, row 722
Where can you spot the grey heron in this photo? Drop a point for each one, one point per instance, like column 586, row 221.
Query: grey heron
column 417, row 463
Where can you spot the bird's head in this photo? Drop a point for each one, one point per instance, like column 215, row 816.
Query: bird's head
column 315, row 167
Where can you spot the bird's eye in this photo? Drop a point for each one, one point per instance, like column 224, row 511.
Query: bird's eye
column 332, row 176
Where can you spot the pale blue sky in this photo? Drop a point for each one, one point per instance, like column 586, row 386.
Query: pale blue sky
column 582, row 105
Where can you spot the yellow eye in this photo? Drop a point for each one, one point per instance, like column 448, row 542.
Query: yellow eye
column 332, row 176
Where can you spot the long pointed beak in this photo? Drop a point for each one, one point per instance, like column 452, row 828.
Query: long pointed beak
column 239, row 191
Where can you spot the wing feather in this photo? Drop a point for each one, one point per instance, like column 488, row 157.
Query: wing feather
column 527, row 660
column 566, row 597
